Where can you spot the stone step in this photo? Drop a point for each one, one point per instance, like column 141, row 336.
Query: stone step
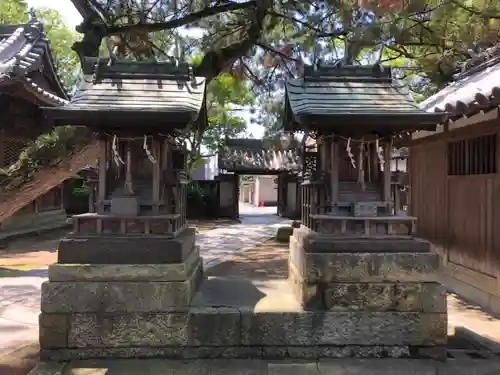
column 241, row 318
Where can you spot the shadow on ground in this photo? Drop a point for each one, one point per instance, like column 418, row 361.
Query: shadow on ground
column 14, row 272
column 266, row 261
column 21, row 361
column 9, row 272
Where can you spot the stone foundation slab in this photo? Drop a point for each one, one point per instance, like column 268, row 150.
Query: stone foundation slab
column 343, row 328
column 311, row 241
column 124, row 296
column 363, row 267
column 116, row 249
column 428, row 297
column 256, row 352
column 125, row 272
column 222, row 327
column 397, row 297
column 239, row 319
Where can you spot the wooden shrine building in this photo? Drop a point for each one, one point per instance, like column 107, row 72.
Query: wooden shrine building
column 273, row 165
column 28, row 80
column 137, row 109
column 351, row 232
column 354, row 113
column 138, row 240
column 455, row 179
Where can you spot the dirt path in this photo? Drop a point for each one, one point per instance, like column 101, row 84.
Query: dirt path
column 37, row 252
column 267, row 260
column 202, row 226
column 29, row 253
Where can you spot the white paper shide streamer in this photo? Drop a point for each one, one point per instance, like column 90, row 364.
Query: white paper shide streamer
column 147, row 150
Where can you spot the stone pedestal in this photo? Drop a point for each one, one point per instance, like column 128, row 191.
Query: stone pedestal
column 116, row 291
column 391, row 280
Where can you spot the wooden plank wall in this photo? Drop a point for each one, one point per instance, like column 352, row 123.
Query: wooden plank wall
column 458, row 207
column 428, row 190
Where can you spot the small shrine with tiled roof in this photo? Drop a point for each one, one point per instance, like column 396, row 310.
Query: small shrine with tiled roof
column 351, row 237
column 136, row 109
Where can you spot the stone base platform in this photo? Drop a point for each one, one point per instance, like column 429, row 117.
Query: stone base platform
column 235, row 319
column 388, row 278
column 126, row 249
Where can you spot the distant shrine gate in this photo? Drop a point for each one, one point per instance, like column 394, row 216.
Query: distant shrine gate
column 241, row 157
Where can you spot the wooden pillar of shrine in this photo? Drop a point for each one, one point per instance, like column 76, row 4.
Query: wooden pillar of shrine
column 374, row 175
column 156, row 177
column 101, row 188
column 386, row 196
column 334, row 170
column 166, row 161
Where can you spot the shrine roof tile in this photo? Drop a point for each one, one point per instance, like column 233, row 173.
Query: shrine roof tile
column 117, row 94
column 354, row 91
column 348, row 91
column 139, row 86
column 249, row 155
column 474, row 90
column 24, row 51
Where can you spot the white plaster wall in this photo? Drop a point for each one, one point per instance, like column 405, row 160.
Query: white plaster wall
column 256, row 192
column 265, row 189
column 212, row 167
column 208, row 171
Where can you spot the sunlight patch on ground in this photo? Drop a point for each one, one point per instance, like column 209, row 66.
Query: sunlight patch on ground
column 22, row 267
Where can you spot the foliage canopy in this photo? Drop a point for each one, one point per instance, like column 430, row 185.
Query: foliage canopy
column 266, row 41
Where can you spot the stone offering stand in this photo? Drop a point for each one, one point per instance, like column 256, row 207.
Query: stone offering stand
column 129, row 280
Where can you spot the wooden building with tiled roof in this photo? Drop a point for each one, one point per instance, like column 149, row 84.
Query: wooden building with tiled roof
column 28, row 80
column 455, row 180
column 275, row 165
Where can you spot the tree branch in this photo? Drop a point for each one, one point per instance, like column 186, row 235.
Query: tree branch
column 475, row 11
column 273, row 51
column 215, row 62
column 178, row 22
column 319, row 33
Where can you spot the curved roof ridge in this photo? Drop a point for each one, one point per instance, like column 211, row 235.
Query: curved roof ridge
column 23, row 51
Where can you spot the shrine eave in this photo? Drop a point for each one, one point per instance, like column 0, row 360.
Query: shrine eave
column 121, row 118
column 260, row 171
column 470, row 94
column 364, row 123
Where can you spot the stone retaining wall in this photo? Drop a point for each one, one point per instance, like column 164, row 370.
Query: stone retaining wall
column 379, row 304
column 229, row 332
